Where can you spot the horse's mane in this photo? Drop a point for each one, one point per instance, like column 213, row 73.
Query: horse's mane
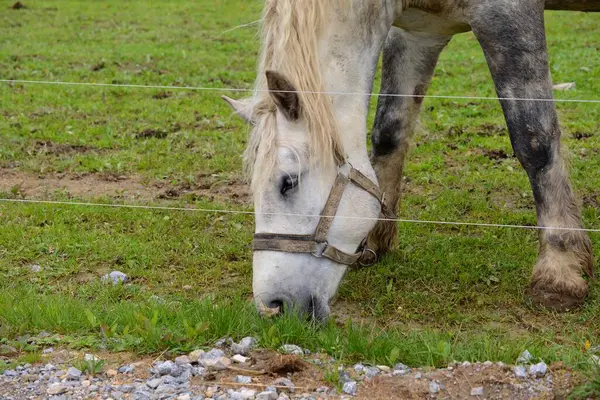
column 290, row 35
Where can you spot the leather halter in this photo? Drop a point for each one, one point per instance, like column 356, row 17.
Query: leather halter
column 316, row 244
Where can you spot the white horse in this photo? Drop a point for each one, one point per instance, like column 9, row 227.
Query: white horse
column 307, row 155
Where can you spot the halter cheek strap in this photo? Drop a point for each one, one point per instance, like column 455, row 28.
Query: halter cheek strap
column 316, row 244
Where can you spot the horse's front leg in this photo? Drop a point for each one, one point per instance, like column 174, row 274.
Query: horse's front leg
column 409, row 60
column 513, row 39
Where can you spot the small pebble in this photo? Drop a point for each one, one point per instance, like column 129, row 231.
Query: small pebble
column 73, row 373
column 244, row 346
column 285, row 382
column 56, row 388
column 224, row 342
column 183, row 360
column 520, row 371
column 126, row 369
column 218, row 364
column 291, row 349
column 115, row 277
column 371, row 372
column 35, row 268
column 477, row 391
column 525, row 357
column 350, row 387
column 242, row 379
column 195, row 355
column 90, row 357
column 154, row 383
column 168, row 368
column 48, row 350
column 238, row 358
column 247, row 394
column 267, row 396
column 434, row 387
column 538, row 370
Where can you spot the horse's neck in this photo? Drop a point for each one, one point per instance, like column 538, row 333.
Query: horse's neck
column 350, row 51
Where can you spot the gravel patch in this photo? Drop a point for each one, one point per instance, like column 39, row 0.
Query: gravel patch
column 211, row 375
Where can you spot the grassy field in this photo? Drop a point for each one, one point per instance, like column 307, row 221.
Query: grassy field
column 448, row 292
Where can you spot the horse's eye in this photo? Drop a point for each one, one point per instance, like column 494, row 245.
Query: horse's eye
column 288, row 183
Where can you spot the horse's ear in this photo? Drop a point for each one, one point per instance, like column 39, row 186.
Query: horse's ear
column 243, row 108
column 284, row 94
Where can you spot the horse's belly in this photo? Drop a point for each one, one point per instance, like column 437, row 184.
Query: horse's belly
column 417, row 20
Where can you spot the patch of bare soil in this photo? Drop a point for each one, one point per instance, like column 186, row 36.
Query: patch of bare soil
column 18, row 6
column 582, row 135
column 591, row 200
column 89, row 186
column 495, row 154
column 58, row 149
column 151, row 133
column 492, row 381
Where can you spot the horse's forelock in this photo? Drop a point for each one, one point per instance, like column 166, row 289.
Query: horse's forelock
column 290, row 38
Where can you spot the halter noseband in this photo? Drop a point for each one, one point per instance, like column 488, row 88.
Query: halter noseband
column 316, row 244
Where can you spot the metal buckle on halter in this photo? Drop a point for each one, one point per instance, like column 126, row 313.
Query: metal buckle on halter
column 319, row 249
column 364, row 264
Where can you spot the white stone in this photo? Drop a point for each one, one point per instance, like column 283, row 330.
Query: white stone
column 242, row 379
column 434, row 387
column 238, row 358
column 35, row 268
column 56, row 388
column 525, row 357
column 477, row 391
column 520, row 371
column 195, row 355
column 247, row 394
column 115, row 277
column 218, row 364
column 73, row 373
column 182, row 360
column 350, row 387
column 267, row 396
column 538, row 370
column 244, row 346
column 90, row 357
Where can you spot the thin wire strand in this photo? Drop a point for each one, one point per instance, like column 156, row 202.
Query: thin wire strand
column 242, row 212
column 214, row 89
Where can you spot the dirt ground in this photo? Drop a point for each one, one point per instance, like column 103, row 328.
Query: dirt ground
column 132, row 187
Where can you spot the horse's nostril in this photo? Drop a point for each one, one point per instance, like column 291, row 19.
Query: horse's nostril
column 276, row 305
column 270, row 308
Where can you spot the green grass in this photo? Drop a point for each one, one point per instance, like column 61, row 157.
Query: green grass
column 447, row 292
column 112, row 321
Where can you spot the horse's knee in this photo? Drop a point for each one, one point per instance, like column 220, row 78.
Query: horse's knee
column 387, row 135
